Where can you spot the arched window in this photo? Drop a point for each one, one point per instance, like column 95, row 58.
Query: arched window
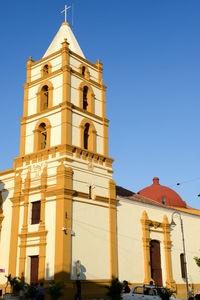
column 42, row 137
column 85, row 97
column 44, row 103
column 83, row 70
column 42, row 134
column 90, row 192
column 45, row 96
column 86, row 135
column 182, row 265
column 45, row 70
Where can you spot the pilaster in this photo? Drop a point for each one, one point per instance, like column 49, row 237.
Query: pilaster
column 63, row 220
column 66, row 109
column 170, row 283
column 42, row 247
column 113, row 229
column 100, row 70
column 1, row 213
column 105, row 124
column 22, row 137
column 146, row 247
column 22, row 256
column 15, row 225
column 25, row 112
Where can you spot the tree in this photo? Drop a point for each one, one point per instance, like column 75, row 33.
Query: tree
column 197, row 260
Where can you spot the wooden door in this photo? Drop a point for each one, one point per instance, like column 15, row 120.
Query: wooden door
column 34, row 269
column 155, row 260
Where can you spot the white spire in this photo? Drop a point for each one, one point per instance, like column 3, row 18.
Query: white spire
column 63, row 33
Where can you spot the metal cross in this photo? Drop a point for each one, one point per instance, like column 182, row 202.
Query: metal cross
column 65, row 11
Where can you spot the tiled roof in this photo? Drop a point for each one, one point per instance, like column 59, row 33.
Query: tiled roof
column 126, row 194
column 142, row 199
column 161, row 193
column 120, row 191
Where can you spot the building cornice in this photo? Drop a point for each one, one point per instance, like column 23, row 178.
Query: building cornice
column 41, row 79
column 8, row 171
column 44, row 59
column 65, row 149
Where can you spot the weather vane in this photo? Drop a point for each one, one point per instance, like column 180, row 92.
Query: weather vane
column 65, row 11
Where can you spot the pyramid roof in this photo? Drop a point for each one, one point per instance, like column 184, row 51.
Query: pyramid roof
column 63, row 33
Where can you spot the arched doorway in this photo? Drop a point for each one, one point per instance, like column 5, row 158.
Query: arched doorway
column 155, row 260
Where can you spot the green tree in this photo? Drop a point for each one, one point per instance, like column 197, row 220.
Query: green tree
column 197, row 260
column 16, row 284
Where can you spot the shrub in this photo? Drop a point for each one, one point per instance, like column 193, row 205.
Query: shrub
column 55, row 290
column 114, row 290
column 197, row 260
column 16, row 284
column 165, row 293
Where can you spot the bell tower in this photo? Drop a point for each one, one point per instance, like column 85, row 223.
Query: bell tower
column 64, row 101
column 63, row 167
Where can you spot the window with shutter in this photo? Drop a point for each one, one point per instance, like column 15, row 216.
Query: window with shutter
column 35, row 219
column 182, row 265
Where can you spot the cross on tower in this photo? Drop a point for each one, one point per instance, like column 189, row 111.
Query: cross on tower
column 65, row 11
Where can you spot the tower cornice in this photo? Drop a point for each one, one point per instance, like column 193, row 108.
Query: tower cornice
column 69, row 150
column 54, row 109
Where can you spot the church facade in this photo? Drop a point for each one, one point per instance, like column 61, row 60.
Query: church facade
column 61, row 215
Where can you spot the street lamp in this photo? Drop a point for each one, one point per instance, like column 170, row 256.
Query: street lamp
column 173, row 224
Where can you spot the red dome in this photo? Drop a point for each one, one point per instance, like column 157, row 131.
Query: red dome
column 162, row 194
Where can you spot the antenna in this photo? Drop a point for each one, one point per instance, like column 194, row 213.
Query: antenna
column 72, row 15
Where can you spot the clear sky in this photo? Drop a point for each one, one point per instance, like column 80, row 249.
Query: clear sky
column 150, row 51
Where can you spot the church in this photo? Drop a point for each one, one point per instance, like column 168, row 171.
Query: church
column 62, row 217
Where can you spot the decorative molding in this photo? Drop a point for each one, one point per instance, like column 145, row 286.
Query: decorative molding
column 89, row 80
column 42, row 79
column 33, row 234
column 89, row 114
column 52, row 109
column 42, row 60
column 147, row 226
column 5, row 172
column 62, row 150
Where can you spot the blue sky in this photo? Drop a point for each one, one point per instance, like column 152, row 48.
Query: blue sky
column 150, row 51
